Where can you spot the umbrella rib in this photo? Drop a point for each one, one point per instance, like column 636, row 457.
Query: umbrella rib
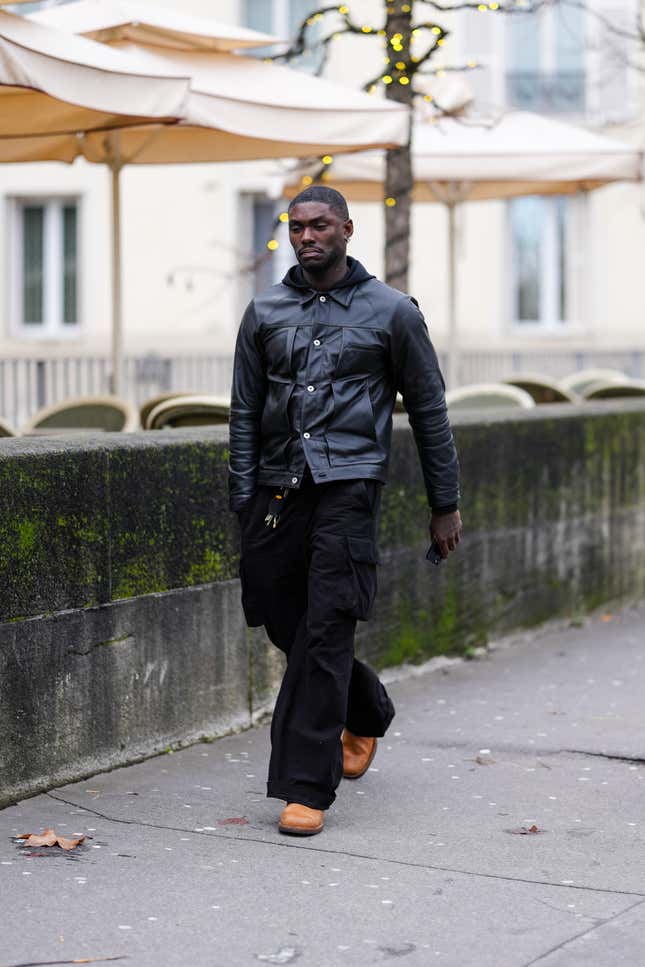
column 101, row 129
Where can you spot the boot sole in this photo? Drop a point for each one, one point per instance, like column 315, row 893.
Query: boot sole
column 294, row 831
column 357, row 775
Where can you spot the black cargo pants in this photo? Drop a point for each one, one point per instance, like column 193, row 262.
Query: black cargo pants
column 307, row 581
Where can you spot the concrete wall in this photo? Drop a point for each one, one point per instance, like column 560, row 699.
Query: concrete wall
column 121, row 631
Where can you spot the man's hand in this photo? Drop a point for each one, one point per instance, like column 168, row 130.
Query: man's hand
column 446, row 530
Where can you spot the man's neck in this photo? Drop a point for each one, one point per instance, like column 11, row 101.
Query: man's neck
column 324, row 281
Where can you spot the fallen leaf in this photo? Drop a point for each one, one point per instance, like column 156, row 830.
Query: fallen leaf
column 234, row 821
column 81, row 960
column 46, row 838
column 606, row 617
column 49, row 837
column 66, row 843
column 524, row 831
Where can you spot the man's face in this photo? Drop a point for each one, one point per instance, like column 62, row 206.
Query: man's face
column 318, row 234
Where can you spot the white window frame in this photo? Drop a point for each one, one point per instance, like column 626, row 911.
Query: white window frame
column 496, row 62
column 52, row 326
column 577, row 256
column 548, row 60
column 280, row 24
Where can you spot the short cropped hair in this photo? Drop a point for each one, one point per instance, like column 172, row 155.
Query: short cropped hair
column 326, row 195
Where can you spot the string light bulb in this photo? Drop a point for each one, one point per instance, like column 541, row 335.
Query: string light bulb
column 327, row 159
column 343, row 9
column 273, row 244
column 390, row 202
column 386, row 79
column 400, row 66
column 284, row 216
column 404, row 80
column 306, row 180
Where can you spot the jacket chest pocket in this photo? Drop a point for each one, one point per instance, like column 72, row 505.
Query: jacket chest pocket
column 362, row 354
column 278, row 349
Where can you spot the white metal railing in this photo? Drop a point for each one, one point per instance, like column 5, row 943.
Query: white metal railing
column 29, row 383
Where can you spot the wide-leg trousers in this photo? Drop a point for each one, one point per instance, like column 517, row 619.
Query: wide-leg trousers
column 308, row 581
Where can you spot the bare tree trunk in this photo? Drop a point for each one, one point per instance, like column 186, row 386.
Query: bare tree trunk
column 398, row 171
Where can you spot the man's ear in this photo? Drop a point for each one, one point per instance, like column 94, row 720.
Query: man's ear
column 348, row 229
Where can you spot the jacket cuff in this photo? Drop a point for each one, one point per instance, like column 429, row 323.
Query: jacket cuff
column 447, row 509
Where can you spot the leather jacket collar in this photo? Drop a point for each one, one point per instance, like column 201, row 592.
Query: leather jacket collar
column 343, row 291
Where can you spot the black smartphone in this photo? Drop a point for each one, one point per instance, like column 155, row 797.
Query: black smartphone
column 434, row 553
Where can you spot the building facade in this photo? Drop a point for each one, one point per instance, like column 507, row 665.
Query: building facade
column 540, row 279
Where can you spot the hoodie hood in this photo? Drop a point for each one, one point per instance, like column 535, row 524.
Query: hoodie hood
column 355, row 274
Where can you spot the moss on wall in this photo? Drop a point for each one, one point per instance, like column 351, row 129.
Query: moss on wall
column 553, row 505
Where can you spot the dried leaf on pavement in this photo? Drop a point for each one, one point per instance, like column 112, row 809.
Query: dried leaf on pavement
column 49, row 837
column 81, row 960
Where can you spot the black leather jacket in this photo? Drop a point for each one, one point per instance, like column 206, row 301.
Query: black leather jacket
column 315, row 381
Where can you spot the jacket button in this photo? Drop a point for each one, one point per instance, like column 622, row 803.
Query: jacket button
column 306, row 435
column 294, row 480
column 316, row 342
column 310, row 389
column 323, row 298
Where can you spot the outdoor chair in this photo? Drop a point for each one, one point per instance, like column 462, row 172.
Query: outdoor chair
column 146, row 408
column 6, row 430
column 609, row 390
column 542, row 389
column 580, row 381
column 184, row 411
column 101, row 413
column 488, row 396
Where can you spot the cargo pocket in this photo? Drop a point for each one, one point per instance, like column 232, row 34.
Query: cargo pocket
column 363, row 558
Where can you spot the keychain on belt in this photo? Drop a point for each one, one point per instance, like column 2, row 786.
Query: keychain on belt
column 275, row 508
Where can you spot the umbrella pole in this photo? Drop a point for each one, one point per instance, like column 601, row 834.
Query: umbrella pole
column 452, row 372
column 117, row 311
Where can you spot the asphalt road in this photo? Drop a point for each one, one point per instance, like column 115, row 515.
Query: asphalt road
column 424, row 861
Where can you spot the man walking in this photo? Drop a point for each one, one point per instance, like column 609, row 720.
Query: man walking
column 318, row 362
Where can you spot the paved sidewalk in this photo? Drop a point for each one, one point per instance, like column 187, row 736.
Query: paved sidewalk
column 418, row 863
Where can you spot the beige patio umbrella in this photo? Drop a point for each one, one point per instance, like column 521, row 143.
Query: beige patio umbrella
column 110, row 21
column 55, row 88
column 457, row 160
column 239, row 108
column 54, row 85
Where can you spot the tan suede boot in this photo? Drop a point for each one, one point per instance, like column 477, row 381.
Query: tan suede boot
column 299, row 820
column 358, row 752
